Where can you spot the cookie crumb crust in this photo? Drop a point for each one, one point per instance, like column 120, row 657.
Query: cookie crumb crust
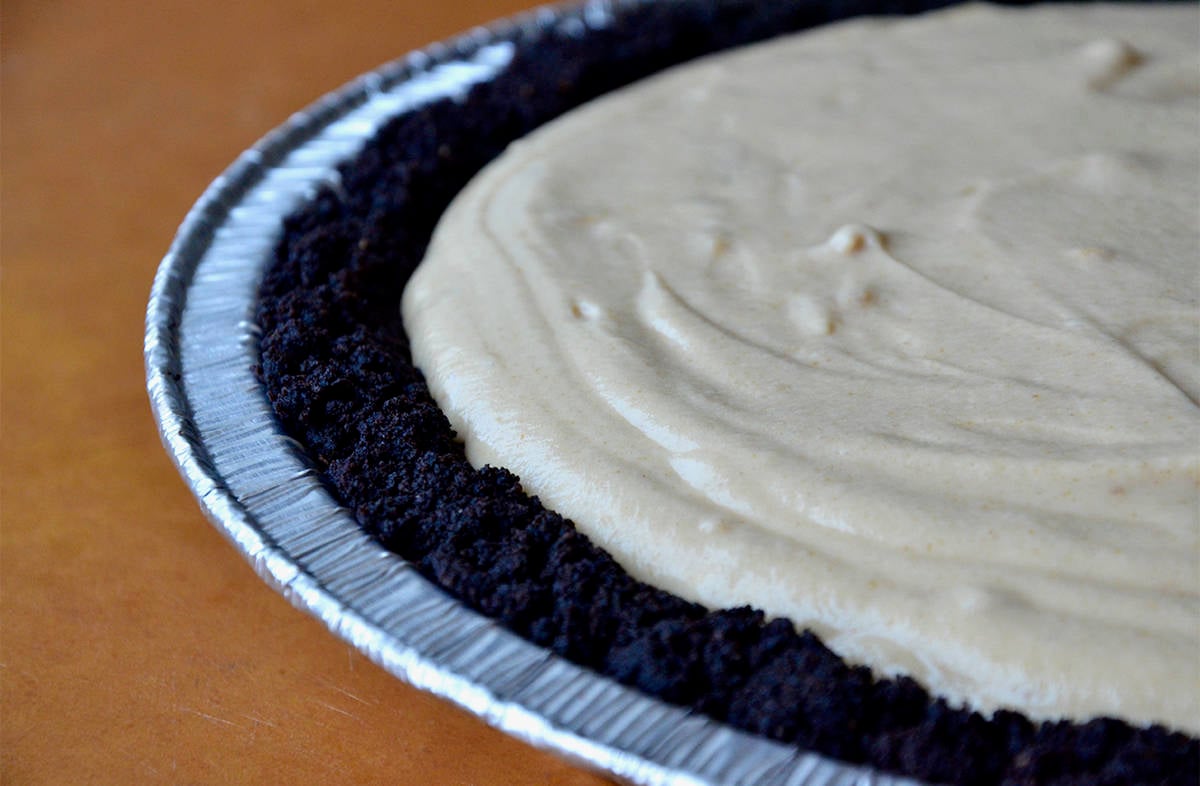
column 336, row 366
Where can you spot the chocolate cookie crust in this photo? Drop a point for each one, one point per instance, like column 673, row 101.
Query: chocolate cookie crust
column 336, row 365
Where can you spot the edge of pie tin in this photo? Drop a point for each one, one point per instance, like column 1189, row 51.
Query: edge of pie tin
column 257, row 487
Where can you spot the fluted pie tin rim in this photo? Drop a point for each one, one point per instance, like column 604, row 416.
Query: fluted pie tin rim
column 257, row 486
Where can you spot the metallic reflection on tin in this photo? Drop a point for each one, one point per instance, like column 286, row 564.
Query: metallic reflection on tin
column 257, row 487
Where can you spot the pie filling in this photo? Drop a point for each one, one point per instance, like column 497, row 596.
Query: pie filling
column 889, row 329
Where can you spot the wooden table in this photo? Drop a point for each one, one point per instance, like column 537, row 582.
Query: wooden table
column 137, row 646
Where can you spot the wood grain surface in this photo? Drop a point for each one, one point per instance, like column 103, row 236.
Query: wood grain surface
column 136, row 644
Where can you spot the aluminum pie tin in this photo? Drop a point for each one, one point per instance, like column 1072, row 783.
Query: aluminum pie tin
column 257, row 486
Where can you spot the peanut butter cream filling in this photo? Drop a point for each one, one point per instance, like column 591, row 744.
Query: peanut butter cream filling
column 890, row 328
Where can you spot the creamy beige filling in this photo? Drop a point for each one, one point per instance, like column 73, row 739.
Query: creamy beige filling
column 890, row 328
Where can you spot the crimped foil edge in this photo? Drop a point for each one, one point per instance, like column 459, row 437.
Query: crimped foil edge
column 256, row 486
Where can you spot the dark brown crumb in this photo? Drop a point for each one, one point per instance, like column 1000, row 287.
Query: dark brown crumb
column 336, row 365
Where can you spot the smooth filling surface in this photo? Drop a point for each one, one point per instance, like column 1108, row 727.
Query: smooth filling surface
column 891, row 328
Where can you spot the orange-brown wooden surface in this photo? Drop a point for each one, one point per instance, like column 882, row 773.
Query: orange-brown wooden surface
column 136, row 645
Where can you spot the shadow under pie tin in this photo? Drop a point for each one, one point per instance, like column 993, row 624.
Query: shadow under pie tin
column 260, row 487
